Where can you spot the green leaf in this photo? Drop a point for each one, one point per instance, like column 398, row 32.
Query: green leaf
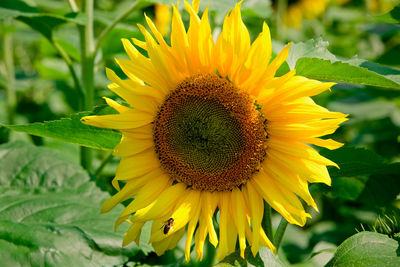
column 265, row 257
column 361, row 110
column 70, row 49
column 18, row 8
column 381, row 190
column 347, row 188
column 359, row 73
column 50, row 215
column 42, row 22
column 310, row 49
column 358, row 161
column 367, row 249
column 313, row 60
column 351, row 181
column 14, row 8
column 72, row 130
column 52, row 69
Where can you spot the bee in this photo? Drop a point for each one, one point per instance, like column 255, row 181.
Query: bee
column 167, row 225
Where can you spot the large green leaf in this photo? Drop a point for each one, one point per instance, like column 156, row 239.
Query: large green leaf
column 41, row 22
column 381, row 190
column 367, row 249
column 49, row 213
column 351, row 181
column 358, row 161
column 72, row 130
column 14, row 8
column 313, row 60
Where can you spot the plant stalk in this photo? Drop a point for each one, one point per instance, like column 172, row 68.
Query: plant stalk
column 210, row 255
column 73, row 5
column 105, row 32
column 280, row 27
column 279, row 233
column 75, row 78
column 87, row 67
column 8, row 53
column 103, row 164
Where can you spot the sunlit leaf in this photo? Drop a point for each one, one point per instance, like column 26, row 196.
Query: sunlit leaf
column 41, row 22
column 358, row 161
column 367, row 249
column 50, row 212
column 379, row 190
column 313, row 60
column 71, row 130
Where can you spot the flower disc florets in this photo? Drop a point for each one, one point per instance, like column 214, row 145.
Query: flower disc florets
column 209, row 135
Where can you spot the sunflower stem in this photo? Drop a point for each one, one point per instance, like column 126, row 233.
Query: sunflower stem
column 105, row 161
column 280, row 27
column 8, row 53
column 266, row 222
column 279, row 233
column 73, row 5
column 118, row 19
column 210, row 255
column 69, row 63
column 87, row 67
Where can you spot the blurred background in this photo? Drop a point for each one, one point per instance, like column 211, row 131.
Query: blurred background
column 36, row 85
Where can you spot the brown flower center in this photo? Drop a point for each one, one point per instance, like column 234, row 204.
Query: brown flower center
column 209, row 135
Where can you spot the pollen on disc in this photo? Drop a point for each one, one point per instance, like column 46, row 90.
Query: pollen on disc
column 209, row 135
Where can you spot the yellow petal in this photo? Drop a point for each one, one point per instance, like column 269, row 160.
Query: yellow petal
column 183, row 212
column 277, row 62
column 297, row 131
column 210, row 203
column 115, row 105
column 148, row 193
column 143, row 69
column 129, row 90
column 168, row 243
column 163, row 205
column 128, row 191
column 133, row 234
column 327, row 143
column 200, row 237
column 227, row 229
column 131, row 145
column 283, row 202
column 158, row 60
column 309, row 170
column 257, row 210
column 137, row 165
column 190, row 230
column 254, row 67
column 127, row 120
column 299, row 150
column 288, row 179
column 238, row 204
column 179, row 39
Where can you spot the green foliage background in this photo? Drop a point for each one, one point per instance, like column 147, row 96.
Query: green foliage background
column 52, row 184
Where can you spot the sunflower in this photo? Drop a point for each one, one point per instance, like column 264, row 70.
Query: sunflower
column 212, row 133
column 298, row 10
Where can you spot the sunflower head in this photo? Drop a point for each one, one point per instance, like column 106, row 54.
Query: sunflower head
column 211, row 128
column 209, row 135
